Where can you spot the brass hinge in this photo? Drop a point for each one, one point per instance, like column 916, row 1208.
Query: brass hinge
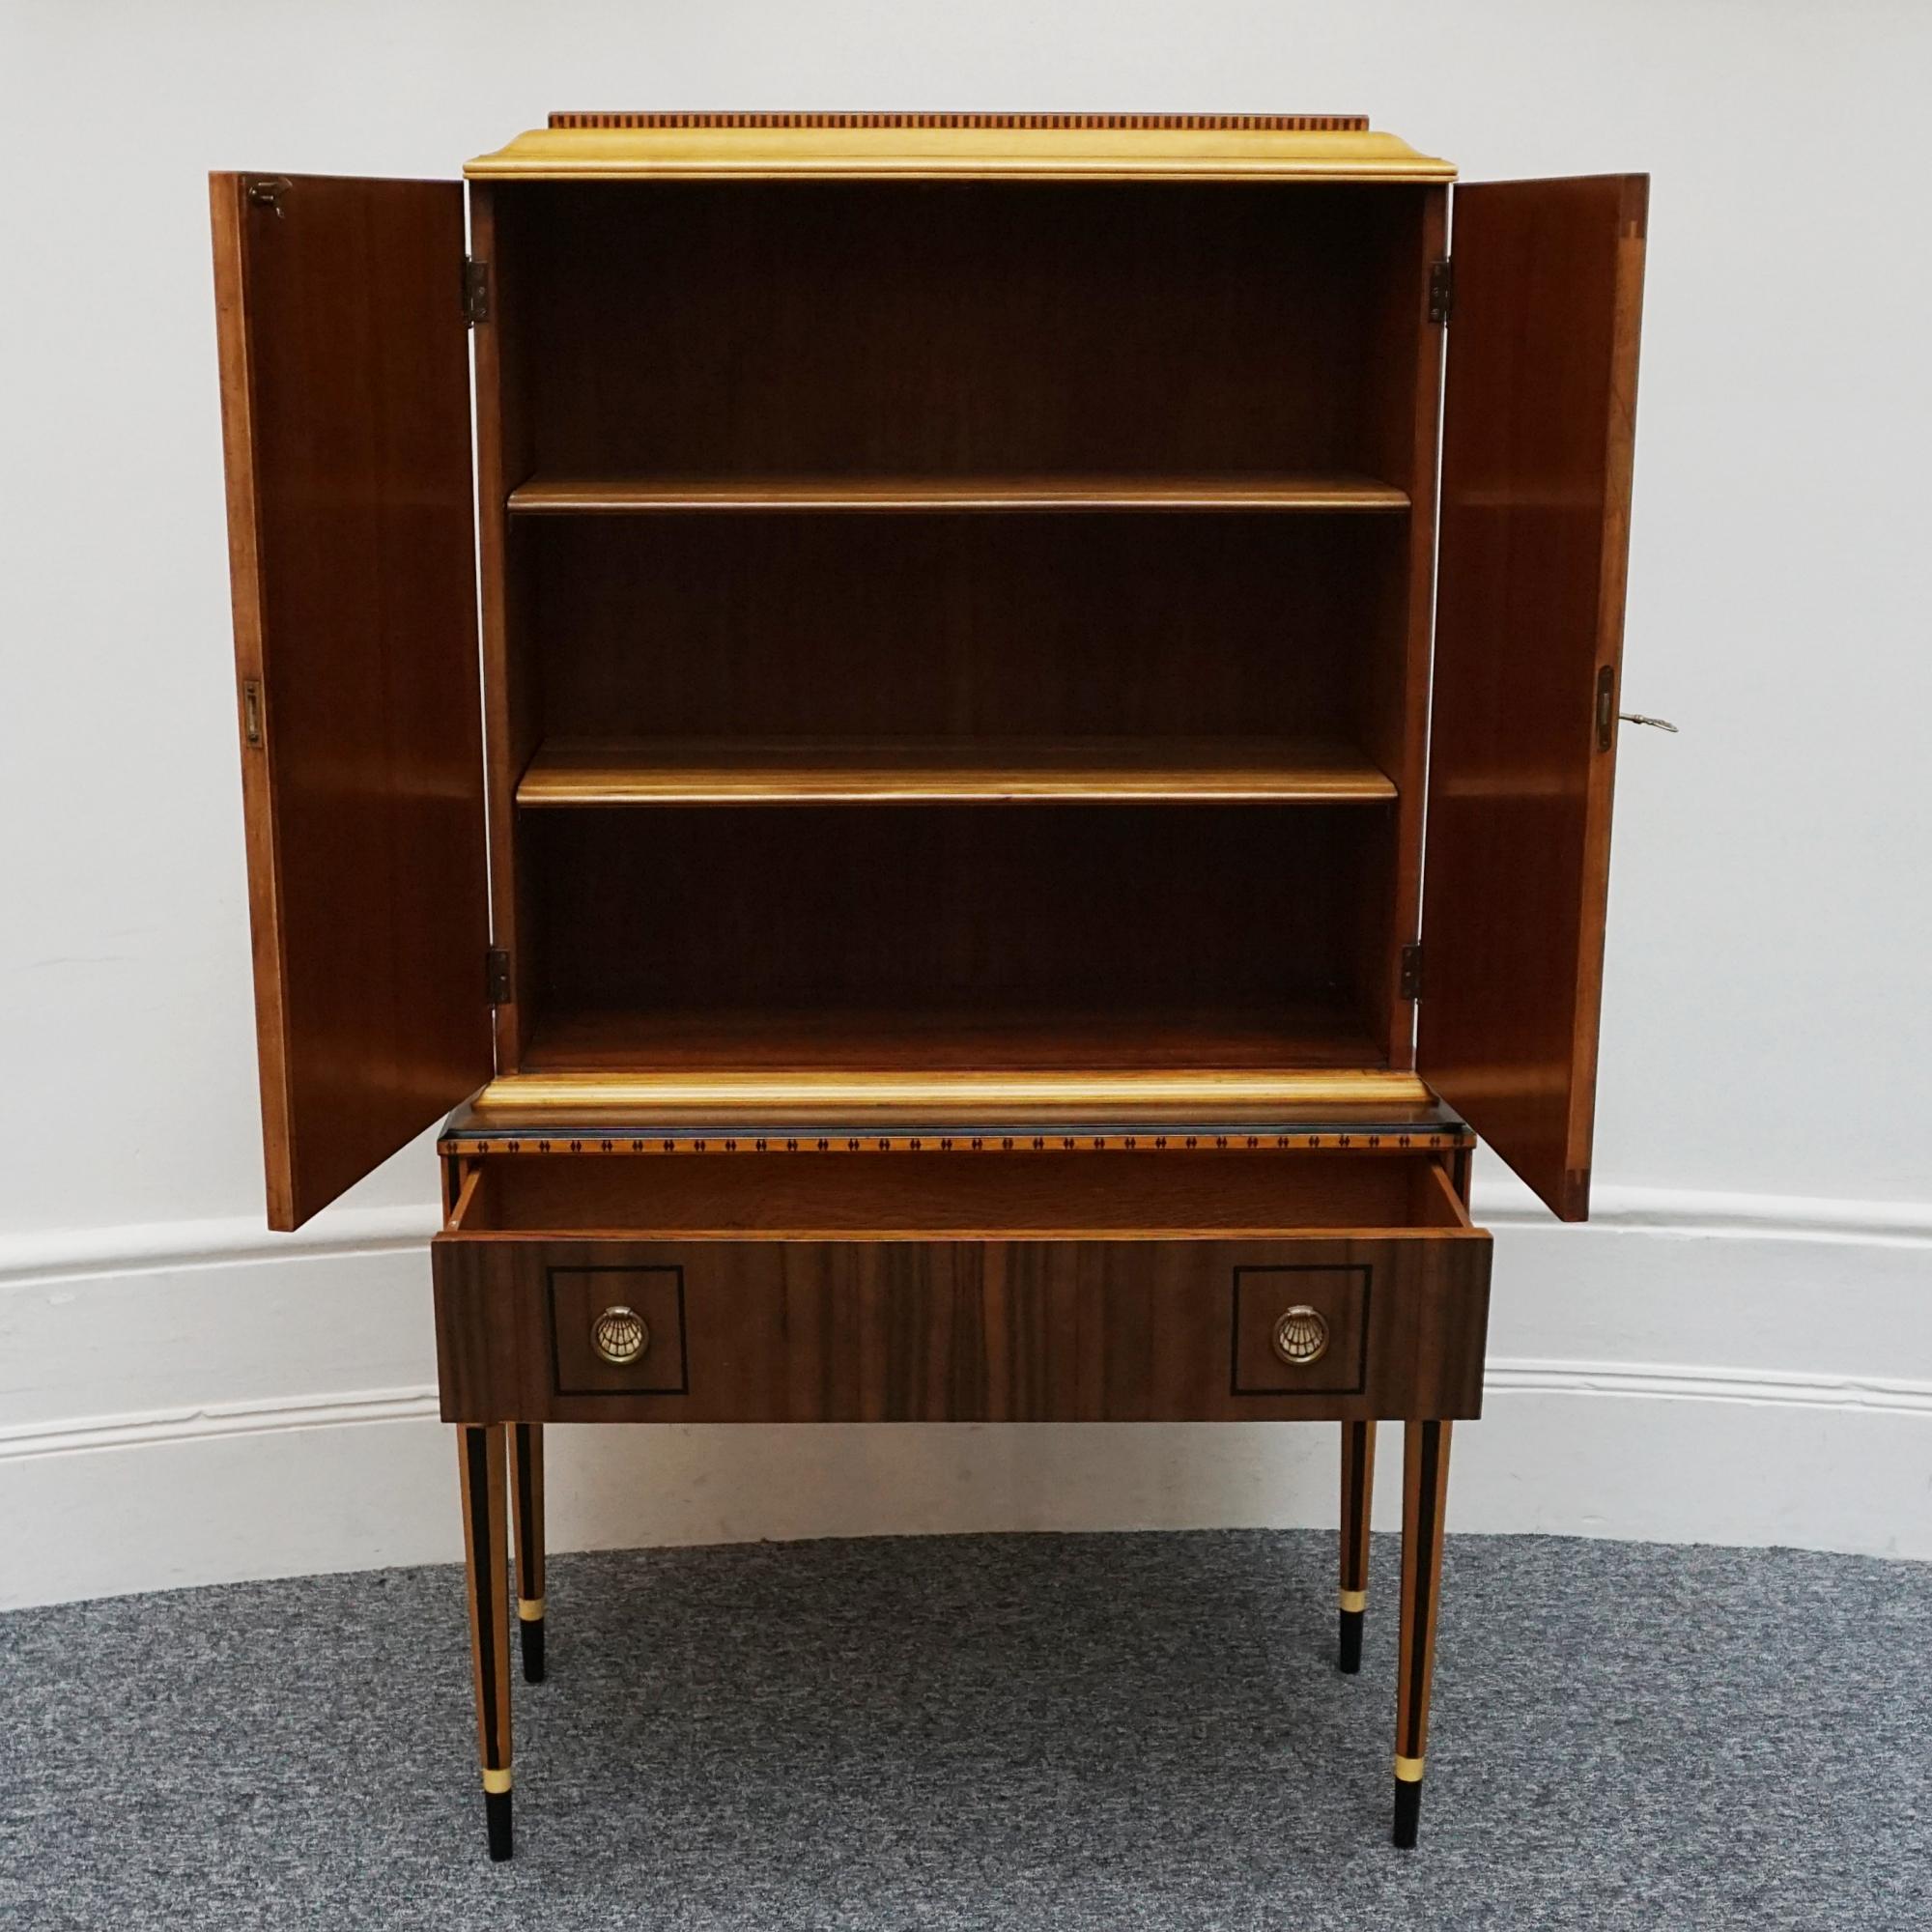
column 1411, row 972
column 497, row 975
column 475, row 291
column 265, row 191
column 1442, row 290
column 1606, row 707
column 252, row 710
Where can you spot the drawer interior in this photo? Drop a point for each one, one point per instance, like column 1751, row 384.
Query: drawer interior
column 833, row 1195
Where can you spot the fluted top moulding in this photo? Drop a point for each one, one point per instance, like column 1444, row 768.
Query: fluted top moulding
column 690, row 145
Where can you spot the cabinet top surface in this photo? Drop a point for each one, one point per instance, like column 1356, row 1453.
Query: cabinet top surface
column 957, row 146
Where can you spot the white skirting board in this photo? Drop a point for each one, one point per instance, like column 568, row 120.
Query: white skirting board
column 202, row 1403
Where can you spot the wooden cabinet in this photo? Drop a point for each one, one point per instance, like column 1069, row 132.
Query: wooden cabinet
column 911, row 869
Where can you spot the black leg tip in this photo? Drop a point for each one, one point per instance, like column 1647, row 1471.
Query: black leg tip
column 497, row 1805
column 1407, row 1812
column 1351, row 1640
column 530, row 1635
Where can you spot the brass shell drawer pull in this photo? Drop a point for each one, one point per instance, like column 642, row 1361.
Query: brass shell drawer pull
column 620, row 1335
column 1300, row 1335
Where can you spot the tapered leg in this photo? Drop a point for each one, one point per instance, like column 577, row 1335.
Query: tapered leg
column 1358, row 1479
column 527, row 1486
column 1425, row 1485
column 487, row 1546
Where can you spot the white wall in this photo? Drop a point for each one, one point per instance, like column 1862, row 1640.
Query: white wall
column 1766, row 1038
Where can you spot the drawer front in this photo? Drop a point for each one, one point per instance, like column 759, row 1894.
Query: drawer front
column 535, row 1328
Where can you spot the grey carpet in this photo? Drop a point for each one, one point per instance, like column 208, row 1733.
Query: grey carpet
column 1053, row 1731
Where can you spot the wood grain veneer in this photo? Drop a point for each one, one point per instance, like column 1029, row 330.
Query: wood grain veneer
column 762, row 626
column 345, row 431
column 1539, row 427
column 1004, row 1330
column 938, row 336
column 1117, row 911
column 512, row 675
column 1391, row 701
column 1425, row 1497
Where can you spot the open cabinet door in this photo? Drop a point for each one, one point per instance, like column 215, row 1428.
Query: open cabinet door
column 345, row 391
column 1538, row 416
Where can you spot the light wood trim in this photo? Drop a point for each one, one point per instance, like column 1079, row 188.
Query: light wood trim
column 860, row 1097
column 806, row 771
column 983, row 148
column 562, row 495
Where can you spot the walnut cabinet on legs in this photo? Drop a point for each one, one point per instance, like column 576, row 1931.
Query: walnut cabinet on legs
column 887, row 785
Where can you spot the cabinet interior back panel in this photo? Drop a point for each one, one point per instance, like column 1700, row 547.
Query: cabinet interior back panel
column 968, row 329
column 1164, row 911
column 760, row 625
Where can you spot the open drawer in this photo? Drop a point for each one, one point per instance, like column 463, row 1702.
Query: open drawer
column 959, row 1288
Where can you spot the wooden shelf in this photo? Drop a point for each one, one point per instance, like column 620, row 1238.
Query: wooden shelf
column 831, row 771
column 876, row 1072
column 556, row 496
